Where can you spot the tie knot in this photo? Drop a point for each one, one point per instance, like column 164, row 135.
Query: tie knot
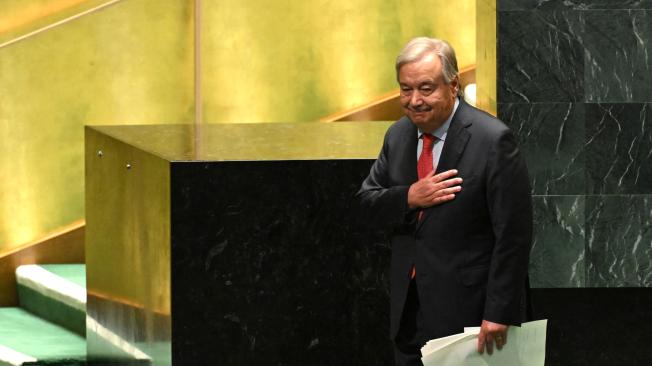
column 428, row 140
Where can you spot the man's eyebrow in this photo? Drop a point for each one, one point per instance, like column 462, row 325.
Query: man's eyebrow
column 422, row 83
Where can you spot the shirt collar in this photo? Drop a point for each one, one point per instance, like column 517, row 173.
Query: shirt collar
column 441, row 132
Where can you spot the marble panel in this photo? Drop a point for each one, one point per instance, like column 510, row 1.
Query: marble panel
column 619, row 148
column 511, row 5
column 270, row 264
column 551, row 137
column 619, row 241
column 610, row 4
column 618, row 67
column 540, row 57
column 557, row 257
column 506, row 5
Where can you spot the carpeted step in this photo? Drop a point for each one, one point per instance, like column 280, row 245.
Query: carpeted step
column 26, row 339
column 54, row 292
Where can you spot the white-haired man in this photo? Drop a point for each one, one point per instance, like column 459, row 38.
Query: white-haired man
column 452, row 186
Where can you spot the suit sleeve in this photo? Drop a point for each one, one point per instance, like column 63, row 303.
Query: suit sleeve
column 382, row 203
column 510, row 205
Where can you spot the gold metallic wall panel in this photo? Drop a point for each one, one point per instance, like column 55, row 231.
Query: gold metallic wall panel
column 486, row 55
column 20, row 18
column 127, row 248
column 25, row 16
column 271, row 61
column 388, row 106
column 132, row 62
column 128, row 63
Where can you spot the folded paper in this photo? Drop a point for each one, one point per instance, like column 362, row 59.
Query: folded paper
column 526, row 346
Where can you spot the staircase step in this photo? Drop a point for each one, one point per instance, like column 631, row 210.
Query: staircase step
column 26, row 339
column 55, row 292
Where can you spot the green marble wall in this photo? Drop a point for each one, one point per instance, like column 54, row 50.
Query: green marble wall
column 575, row 84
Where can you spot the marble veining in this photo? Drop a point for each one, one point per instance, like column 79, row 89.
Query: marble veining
column 542, row 58
column 557, row 258
column 619, row 241
column 551, row 137
column 619, row 148
column 618, row 64
column 508, row 5
column 575, row 85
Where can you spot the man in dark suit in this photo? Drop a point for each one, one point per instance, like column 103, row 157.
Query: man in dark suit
column 452, row 186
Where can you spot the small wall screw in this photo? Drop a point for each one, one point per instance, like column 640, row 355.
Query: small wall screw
column 128, row 166
column 100, row 153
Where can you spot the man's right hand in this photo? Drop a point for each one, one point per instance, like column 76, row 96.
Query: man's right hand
column 434, row 189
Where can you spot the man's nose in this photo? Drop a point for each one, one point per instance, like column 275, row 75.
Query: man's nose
column 415, row 99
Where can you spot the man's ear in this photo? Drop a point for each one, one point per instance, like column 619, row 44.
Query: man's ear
column 455, row 85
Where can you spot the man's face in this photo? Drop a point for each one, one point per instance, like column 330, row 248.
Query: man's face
column 426, row 98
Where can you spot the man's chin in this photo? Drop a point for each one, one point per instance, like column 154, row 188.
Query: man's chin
column 418, row 118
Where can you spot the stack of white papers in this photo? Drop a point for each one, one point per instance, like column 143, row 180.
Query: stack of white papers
column 526, row 346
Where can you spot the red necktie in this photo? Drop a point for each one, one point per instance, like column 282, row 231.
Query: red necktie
column 424, row 166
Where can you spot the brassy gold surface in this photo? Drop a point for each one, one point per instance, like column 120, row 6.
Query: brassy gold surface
column 133, row 62
column 273, row 61
column 20, row 18
column 225, row 142
column 486, row 56
column 127, row 251
column 130, row 62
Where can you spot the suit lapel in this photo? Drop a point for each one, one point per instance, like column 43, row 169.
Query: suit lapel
column 454, row 145
column 409, row 155
column 456, row 140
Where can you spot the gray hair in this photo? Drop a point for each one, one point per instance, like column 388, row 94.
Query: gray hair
column 421, row 46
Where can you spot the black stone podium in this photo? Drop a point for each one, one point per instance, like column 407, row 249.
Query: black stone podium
column 234, row 244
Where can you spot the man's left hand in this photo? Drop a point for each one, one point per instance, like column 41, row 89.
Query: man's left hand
column 491, row 332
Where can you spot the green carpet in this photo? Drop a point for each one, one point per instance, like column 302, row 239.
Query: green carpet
column 75, row 273
column 56, row 293
column 51, row 310
column 36, row 338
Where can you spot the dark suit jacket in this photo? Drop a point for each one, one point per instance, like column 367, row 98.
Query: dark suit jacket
column 471, row 254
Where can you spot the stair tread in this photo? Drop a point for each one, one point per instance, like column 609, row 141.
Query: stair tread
column 75, row 273
column 34, row 337
column 65, row 283
column 55, row 292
